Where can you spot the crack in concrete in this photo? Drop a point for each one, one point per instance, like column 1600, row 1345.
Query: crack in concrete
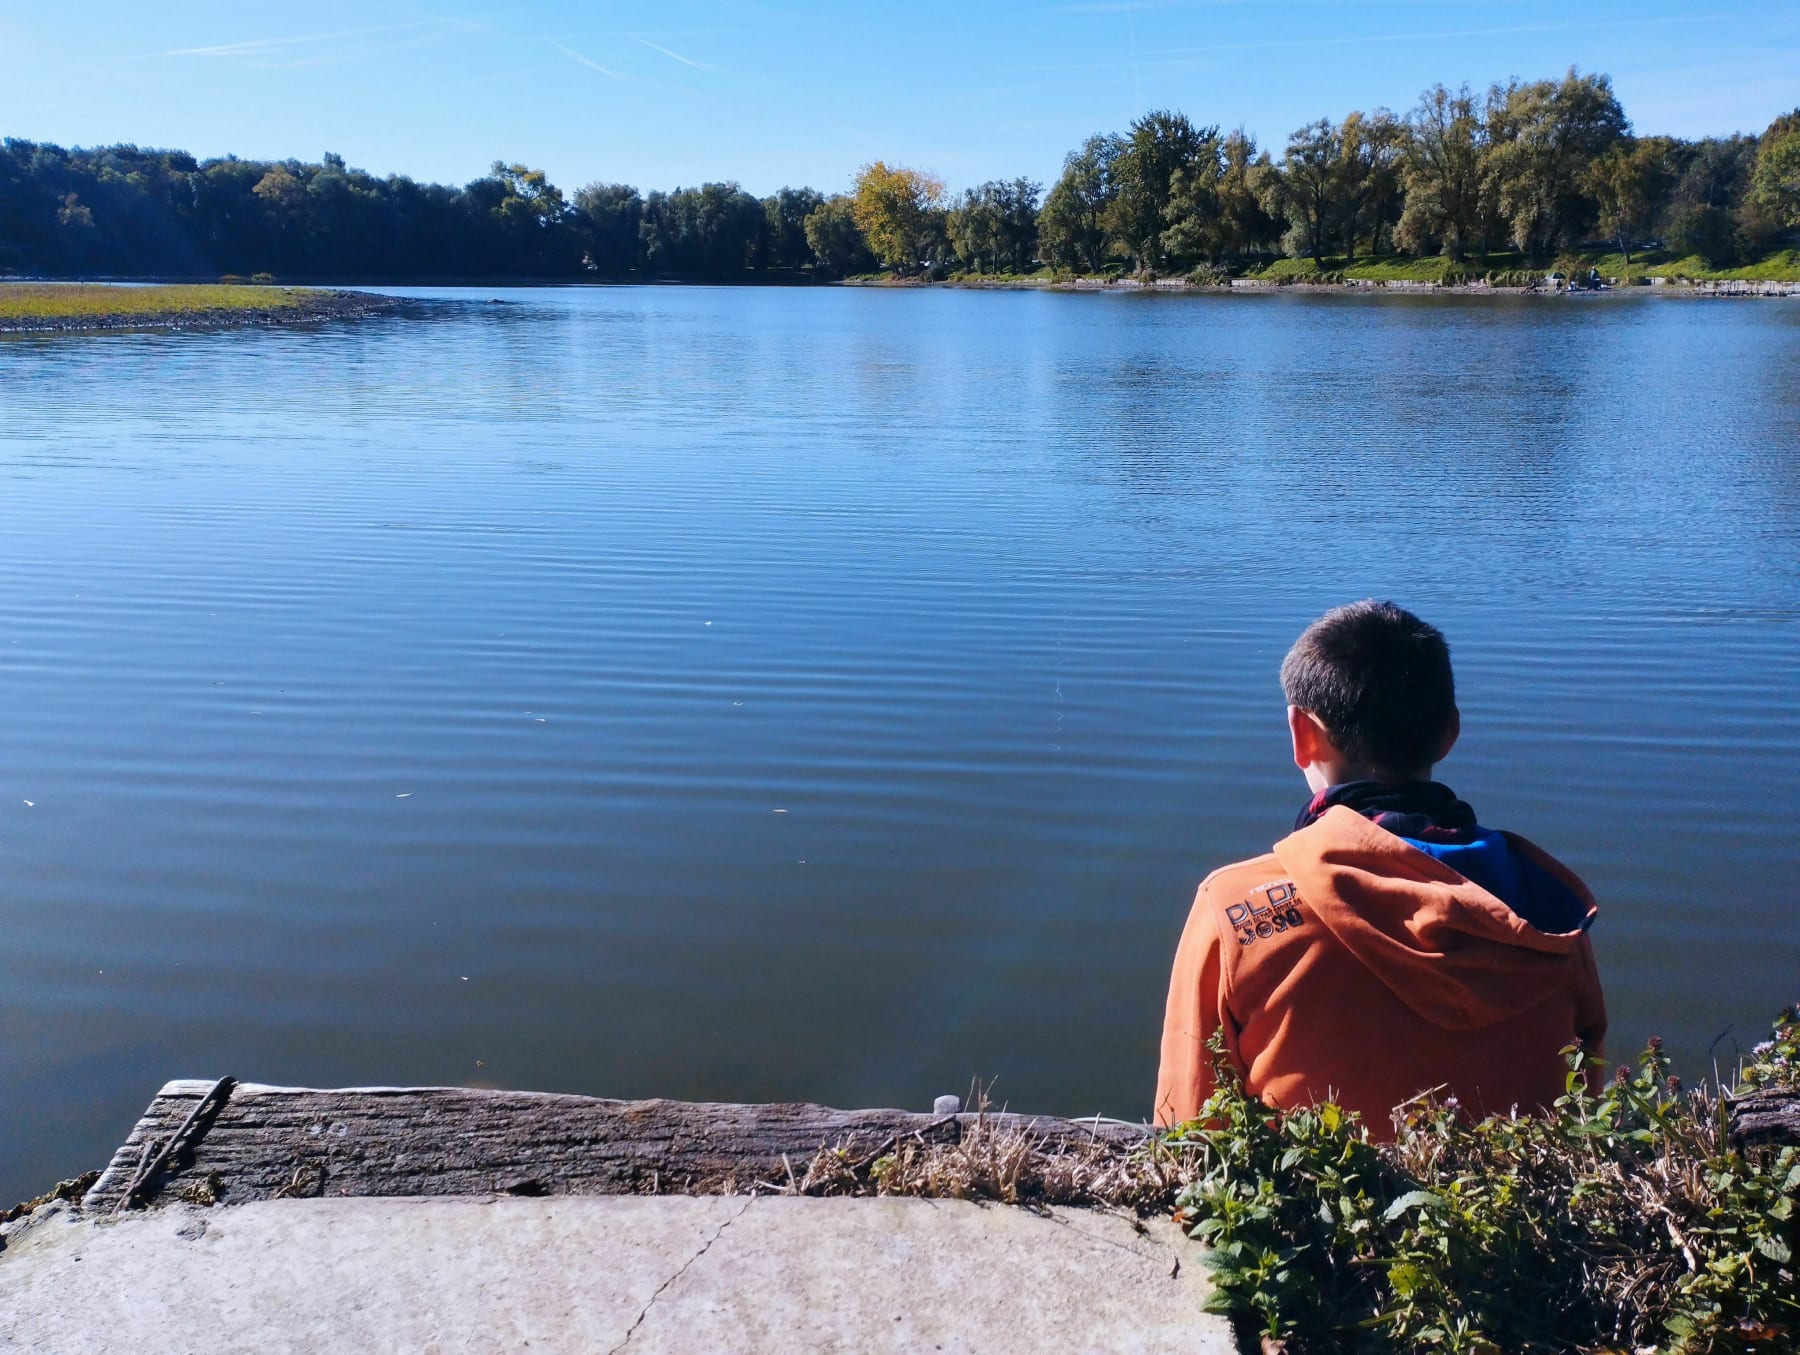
column 705, row 1247
column 1125, row 1247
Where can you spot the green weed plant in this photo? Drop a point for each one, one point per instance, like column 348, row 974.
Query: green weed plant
column 1626, row 1220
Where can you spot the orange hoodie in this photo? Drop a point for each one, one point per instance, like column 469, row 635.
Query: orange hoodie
column 1349, row 965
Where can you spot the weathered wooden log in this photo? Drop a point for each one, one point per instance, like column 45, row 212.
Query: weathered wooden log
column 1765, row 1117
column 275, row 1142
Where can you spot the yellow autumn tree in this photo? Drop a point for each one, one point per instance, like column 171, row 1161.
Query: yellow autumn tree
column 892, row 207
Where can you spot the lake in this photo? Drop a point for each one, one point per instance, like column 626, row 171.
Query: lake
column 836, row 694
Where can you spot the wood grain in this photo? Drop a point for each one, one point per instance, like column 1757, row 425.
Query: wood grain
column 273, row 1142
column 1766, row 1117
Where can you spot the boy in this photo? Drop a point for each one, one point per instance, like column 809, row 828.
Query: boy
column 1391, row 944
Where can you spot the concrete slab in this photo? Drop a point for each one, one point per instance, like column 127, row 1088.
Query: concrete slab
column 664, row 1274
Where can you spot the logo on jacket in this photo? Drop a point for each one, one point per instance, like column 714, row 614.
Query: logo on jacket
column 1265, row 911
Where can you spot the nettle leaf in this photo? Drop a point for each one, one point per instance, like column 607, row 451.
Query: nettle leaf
column 1774, row 1248
column 1407, row 1279
column 1414, row 1199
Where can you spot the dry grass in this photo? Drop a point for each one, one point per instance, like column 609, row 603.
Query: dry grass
column 983, row 1158
column 40, row 301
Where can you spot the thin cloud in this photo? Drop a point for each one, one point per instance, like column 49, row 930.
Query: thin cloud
column 677, row 56
column 1183, row 58
column 1138, row 6
column 255, row 47
column 1350, row 39
column 587, row 61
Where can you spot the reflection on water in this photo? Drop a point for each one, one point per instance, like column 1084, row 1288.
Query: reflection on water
column 836, row 694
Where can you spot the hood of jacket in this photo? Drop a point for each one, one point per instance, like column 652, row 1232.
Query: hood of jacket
column 1457, row 954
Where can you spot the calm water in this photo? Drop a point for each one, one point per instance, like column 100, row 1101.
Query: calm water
column 753, row 694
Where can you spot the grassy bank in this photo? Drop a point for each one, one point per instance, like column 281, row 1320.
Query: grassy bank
column 1779, row 266
column 37, row 307
column 1497, row 269
column 1783, row 265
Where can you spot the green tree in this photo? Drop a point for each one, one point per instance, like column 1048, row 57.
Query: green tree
column 1017, row 200
column 996, row 224
column 1194, row 218
column 715, row 230
column 1548, row 133
column 531, row 201
column 1706, row 232
column 785, row 214
column 527, row 220
column 1306, row 190
column 1245, row 225
column 899, row 212
column 1370, row 147
column 837, row 244
column 1775, row 180
column 1706, row 210
column 1072, row 230
column 76, row 225
column 1441, row 173
column 610, row 217
column 1216, row 210
column 1628, row 185
column 1159, row 146
column 977, row 229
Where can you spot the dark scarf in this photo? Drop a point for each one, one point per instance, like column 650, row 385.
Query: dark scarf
column 1426, row 811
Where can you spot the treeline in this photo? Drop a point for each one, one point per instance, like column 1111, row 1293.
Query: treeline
column 1528, row 168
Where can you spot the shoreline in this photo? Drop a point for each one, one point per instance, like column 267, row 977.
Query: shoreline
column 323, row 303
column 299, row 306
column 1732, row 288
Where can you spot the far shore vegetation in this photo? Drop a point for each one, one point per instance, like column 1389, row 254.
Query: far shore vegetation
column 1503, row 185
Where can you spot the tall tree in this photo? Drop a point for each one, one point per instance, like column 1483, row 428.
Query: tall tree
column 898, row 210
column 526, row 216
column 1775, row 180
column 1072, row 230
column 1306, row 190
column 1216, row 208
column 715, row 230
column 1441, row 173
column 611, row 216
column 837, row 244
column 1548, row 133
column 1370, row 146
column 1629, row 184
column 1017, row 200
column 995, row 225
column 977, row 229
column 785, row 213
column 1159, row 146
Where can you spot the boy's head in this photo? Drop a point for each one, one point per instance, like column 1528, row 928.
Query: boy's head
column 1370, row 695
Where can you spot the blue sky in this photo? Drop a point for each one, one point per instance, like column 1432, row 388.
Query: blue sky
column 671, row 92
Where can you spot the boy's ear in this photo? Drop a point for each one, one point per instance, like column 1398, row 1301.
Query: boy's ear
column 1450, row 735
column 1312, row 744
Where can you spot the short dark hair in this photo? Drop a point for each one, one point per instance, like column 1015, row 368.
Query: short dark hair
column 1379, row 680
